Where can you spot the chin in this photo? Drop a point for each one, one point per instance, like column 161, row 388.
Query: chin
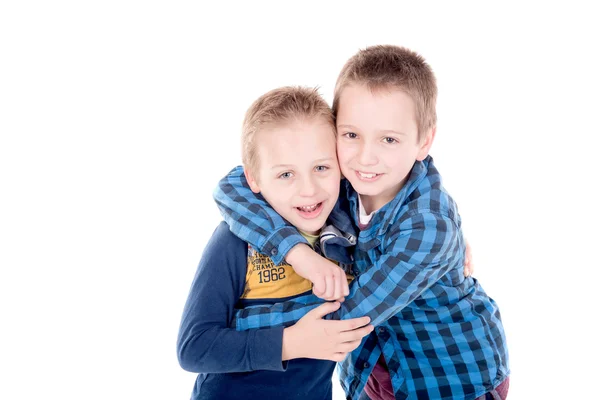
column 365, row 188
column 313, row 226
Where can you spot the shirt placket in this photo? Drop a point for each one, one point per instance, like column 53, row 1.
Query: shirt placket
column 389, row 345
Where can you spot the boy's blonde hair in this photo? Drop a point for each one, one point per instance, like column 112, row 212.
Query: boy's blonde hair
column 393, row 67
column 280, row 106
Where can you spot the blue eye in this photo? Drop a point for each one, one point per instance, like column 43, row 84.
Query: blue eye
column 285, row 175
column 321, row 168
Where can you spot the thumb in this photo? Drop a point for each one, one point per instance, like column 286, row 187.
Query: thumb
column 324, row 309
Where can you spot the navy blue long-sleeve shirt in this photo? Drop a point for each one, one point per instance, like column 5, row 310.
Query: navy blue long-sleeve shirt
column 234, row 364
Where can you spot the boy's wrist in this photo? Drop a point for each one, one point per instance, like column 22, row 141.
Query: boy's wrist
column 288, row 347
column 298, row 253
column 302, row 258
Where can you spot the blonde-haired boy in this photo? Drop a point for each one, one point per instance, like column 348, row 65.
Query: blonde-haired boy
column 288, row 143
column 439, row 335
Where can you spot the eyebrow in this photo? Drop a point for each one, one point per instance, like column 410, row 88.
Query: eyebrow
column 393, row 132
column 381, row 131
column 282, row 166
column 292, row 166
column 320, row 160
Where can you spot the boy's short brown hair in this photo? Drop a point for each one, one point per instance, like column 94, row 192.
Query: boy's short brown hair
column 280, row 106
column 393, row 67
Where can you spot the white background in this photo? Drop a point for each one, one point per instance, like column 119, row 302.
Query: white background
column 117, row 119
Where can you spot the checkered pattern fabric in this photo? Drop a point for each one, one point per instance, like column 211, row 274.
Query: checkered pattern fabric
column 440, row 333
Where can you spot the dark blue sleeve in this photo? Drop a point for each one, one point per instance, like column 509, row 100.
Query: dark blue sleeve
column 205, row 343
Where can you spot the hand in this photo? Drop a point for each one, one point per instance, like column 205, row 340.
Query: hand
column 329, row 280
column 469, row 265
column 314, row 337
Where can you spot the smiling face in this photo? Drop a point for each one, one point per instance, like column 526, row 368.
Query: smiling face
column 297, row 172
column 378, row 142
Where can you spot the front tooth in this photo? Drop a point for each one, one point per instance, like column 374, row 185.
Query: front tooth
column 368, row 176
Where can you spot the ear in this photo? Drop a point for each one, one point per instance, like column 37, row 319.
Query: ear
column 251, row 180
column 425, row 145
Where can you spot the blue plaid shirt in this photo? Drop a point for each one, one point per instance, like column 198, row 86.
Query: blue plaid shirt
column 440, row 334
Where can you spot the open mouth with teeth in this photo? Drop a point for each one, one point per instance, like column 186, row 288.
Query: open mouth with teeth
column 364, row 176
column 310, row 211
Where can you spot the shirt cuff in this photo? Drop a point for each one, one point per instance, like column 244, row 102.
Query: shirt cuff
column 281, row 242
column 267, row 349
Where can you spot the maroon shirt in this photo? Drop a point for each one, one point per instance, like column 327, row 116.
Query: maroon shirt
column 379, row 385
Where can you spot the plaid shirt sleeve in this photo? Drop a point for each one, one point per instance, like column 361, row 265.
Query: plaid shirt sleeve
column 251, row 219
column 421, row 250
column 280, row 314
column 423, row 247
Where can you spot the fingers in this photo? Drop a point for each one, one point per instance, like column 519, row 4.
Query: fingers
column 338, row 357
column 345, row 288
column 351, row 324
column 356, row 334
column 324, row 309
column 467, row 270
column 337, row 293
column 469, row 266
column 329, row 287
column 339, row 284
column 347, row 347
column 344, row 348
column 331, row 284
column 343, row 284
column 319, row 286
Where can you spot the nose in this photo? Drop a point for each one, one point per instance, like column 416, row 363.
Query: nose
column 309, row 187
column 366, row 155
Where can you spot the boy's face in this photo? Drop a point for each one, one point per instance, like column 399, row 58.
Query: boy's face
column 377, row 142
column 298, row 173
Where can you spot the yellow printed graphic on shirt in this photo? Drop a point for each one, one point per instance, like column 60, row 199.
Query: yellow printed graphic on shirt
column 265, row 280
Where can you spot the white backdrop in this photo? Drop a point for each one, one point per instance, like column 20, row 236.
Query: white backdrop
column 117, row 119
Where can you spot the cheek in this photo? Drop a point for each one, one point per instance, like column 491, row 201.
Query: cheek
column 276, row 194
column 281, row 204
column 334, row 182
column 344, row 153
column 333, row 190
column 398, row 164
column 400, row 159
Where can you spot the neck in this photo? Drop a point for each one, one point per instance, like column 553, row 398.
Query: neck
column 315, row 233
column 374, row 203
